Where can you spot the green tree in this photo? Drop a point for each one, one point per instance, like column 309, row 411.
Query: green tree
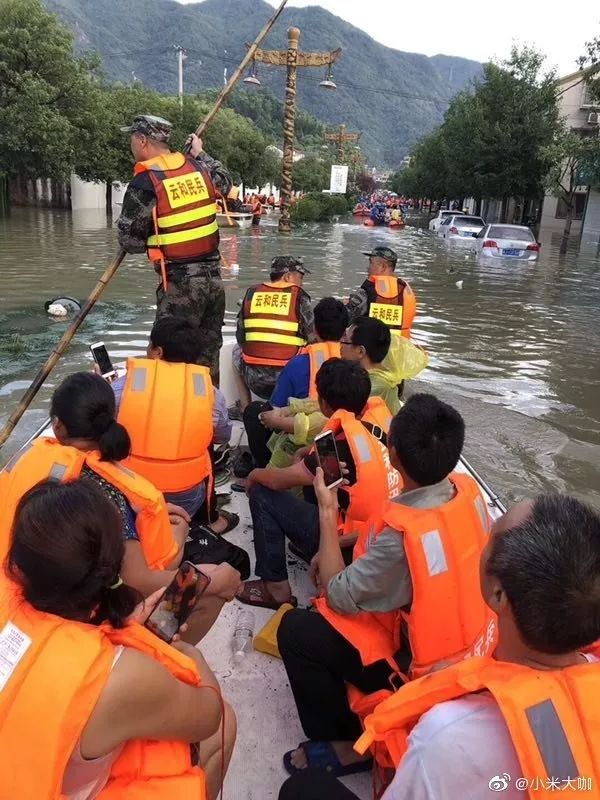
column 590, row 62
column 47, row 97
column 494, row 141
column 312, row 174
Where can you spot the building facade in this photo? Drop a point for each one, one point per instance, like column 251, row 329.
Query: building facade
column 581, row 115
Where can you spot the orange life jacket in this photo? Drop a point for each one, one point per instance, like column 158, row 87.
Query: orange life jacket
column 46, row 458
column 271, row 324
column 448, row 618
column 371, row 491
column 392, row 301
column 167, row 410
column 53, row 672
column 185, row 218
column 318, row 354
column 553, row 718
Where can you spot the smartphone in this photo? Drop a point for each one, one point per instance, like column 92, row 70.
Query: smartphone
column 101, row 357
column 178, row 601
column 329, row 461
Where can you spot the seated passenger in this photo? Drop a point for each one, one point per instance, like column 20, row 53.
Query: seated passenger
column 173, row 415
column 91, row 443
column 392, row 610
column 388, row 357
column 343, row 388
column 108, row 709
column 297, row 379
column 529, row 714
column 274, row 322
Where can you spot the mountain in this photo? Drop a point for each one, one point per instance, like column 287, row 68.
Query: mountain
column 392, row 97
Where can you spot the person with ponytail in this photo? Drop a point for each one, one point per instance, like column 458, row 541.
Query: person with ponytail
column 104, row 707
column 90, row 443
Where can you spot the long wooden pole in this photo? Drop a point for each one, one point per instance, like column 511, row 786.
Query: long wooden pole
column 244, row 63
column 289, row 122
column 68, row 335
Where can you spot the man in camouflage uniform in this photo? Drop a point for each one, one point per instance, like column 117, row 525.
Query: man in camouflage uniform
column 194, row 288
column 260, row 379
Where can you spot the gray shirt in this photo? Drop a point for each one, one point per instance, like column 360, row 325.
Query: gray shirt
column 380, row 580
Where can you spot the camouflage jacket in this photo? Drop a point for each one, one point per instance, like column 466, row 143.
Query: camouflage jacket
column 135, row 223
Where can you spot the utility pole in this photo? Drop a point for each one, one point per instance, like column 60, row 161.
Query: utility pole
column 340, row 137
column 293, row 58
column 181, row 56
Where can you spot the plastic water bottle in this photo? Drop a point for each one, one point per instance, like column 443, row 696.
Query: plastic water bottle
column 242, row 635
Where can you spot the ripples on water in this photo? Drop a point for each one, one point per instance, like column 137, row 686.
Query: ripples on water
column 516, row 349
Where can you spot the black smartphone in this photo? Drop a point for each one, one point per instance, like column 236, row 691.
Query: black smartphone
column 178, row 601
column 329, row 461
column 101, row 357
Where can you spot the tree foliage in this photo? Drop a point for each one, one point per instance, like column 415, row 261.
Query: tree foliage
column 48, row 98
column 58, row 115
column 312, row 174
column 494, row 141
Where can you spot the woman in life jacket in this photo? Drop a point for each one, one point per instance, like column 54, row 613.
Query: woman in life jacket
column 108, row 708
column 91, row 443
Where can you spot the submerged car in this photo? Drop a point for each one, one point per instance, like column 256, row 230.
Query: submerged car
column 435, row 223
column 507, row 241
column 459, row 228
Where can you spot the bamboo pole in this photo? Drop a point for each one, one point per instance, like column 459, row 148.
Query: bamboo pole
column 68, row 335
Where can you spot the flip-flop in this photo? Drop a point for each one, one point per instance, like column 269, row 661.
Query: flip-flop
column 232, row 520
column 255, row 593
column 322, row 755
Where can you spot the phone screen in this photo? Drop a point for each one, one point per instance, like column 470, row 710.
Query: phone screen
column 178, row 601
column 328, row 458
column 102, row 358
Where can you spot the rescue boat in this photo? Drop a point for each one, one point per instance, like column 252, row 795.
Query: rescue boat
column 258, row 689
column 234, row 220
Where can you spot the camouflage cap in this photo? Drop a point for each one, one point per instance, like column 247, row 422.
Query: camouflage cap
column 282, row 264
column 383, row 252
column 155, row 128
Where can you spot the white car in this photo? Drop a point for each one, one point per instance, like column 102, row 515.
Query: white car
column 507, row 241
column 460, row 228
column 437, row 221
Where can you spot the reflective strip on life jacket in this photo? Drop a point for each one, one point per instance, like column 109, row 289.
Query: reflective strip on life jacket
column 181, row 218
column 164, row 239
column 277, row 338
column 275, row 324
column 167, row 410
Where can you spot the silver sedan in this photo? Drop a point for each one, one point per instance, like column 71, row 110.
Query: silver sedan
column 507, row 241
column 459, row 228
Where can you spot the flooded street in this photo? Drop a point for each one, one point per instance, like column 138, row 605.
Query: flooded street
column 516, row 349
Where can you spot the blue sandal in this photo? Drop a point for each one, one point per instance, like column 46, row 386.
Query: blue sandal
column 322, row 755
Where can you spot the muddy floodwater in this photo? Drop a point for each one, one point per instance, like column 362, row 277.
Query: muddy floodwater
column 516, row 349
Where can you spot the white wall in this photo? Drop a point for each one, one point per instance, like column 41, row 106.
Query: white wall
column 591, row 229
column 86, row 195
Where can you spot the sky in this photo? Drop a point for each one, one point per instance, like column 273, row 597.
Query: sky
column 480, row 31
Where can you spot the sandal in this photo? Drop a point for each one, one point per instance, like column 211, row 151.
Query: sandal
column 230, row 518
column 322, row 755
column 255, row 593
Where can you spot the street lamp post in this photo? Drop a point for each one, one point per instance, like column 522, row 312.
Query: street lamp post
column 340, row 137
column 292, row 58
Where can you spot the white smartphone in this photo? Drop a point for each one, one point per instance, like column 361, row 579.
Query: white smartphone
column 101, row 357
column 329, row 460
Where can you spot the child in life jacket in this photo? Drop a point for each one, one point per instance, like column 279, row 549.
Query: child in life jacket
column 519, row 723
column 109, row 709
